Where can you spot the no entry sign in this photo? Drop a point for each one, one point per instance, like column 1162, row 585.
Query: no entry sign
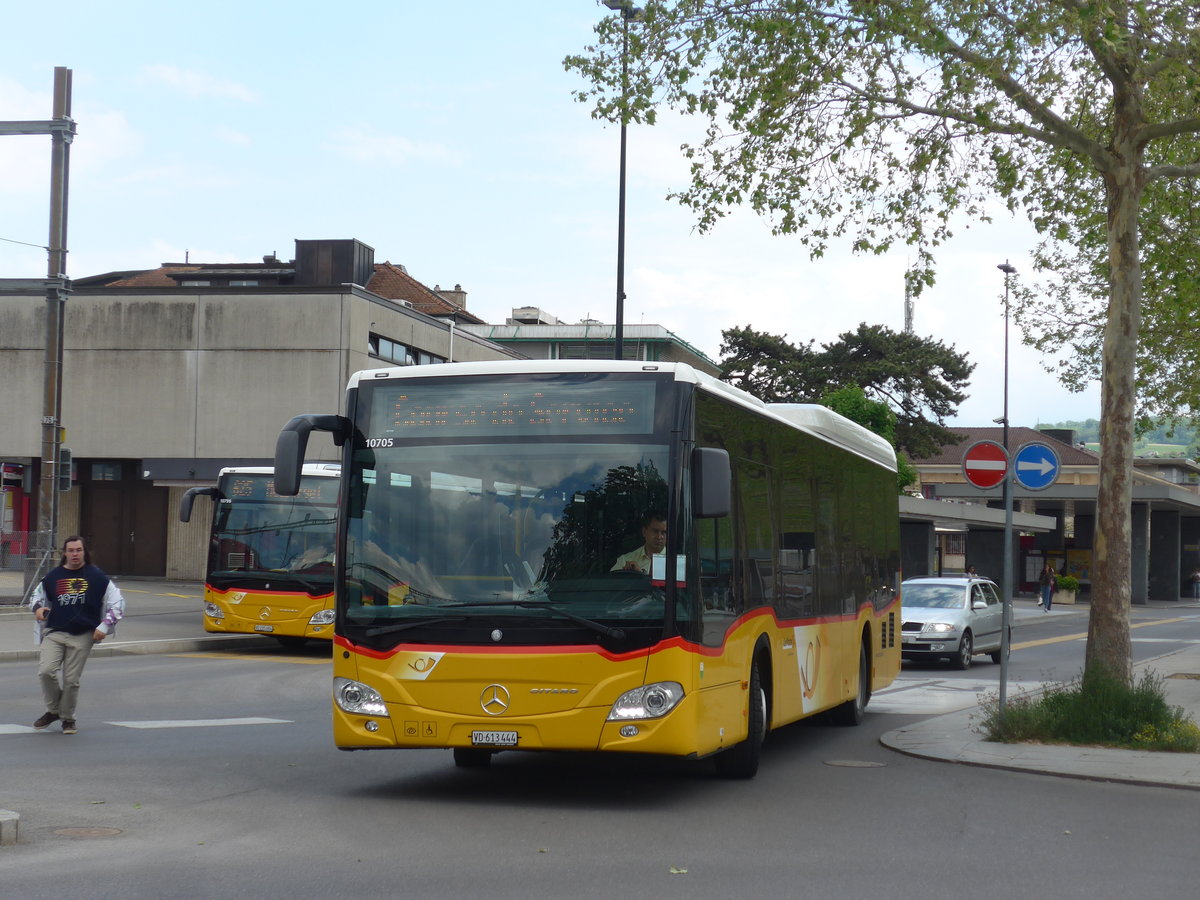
column 984, row 464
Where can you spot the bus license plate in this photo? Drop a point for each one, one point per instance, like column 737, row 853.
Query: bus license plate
column 267, row 628
column 494, row 738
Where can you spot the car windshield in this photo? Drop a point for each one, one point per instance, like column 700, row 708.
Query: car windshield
column 532, row 531
column 934, row 596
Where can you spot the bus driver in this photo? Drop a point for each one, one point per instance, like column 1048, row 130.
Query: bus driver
column 654, row 533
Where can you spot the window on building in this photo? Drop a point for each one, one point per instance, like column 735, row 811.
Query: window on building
column 195, row 283
column 597, row 350
column 106, row 471
column 246, row 283
column 956, row 543
column 398, row 353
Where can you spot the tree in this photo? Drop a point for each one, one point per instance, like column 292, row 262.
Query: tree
column 887, row 122
column 919, row 379
column 852, row 402
column 767, row 366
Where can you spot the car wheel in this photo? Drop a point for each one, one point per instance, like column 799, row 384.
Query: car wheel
column 741, row 760
column 852, row 711
column 472, row 758
column 998, row 654
column 962, row 660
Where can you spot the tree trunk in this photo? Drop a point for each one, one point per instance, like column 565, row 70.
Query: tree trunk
column 1108, row 644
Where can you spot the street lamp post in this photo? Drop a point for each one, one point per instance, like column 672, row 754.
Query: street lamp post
column 1006, row 580
column 628, row 12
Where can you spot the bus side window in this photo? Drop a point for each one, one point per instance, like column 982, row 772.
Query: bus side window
column 714, row 546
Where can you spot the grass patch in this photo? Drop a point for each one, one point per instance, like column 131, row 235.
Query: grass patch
column 1095, row 709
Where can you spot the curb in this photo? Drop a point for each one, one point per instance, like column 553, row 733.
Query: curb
column 170, row 645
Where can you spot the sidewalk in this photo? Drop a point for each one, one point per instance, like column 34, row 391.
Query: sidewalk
column 165, row 617
column 952, row 737
column 161, row 617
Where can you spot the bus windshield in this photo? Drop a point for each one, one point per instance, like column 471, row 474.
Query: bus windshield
column 259, row 535
column 447, row 535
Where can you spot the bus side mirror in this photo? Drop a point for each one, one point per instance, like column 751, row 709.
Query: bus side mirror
column 185, row 504
column 711, row 481
column 292, row 443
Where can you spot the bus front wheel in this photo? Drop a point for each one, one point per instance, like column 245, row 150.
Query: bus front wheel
column 472, row 758
column 741, row 760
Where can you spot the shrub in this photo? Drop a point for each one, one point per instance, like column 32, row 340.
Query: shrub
column 1068, row 583
column 1096, row 708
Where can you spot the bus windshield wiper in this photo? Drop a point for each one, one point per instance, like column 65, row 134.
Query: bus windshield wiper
column 608, row 631
column 415, row 623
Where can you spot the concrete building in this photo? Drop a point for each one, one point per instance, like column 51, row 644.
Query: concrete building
column 1165, row 510
column 171, row 373
column 539, row 335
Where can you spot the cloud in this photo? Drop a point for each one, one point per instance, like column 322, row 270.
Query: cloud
column 198, row 84
column 390, row 149
column 177, row 176
column 228, row 135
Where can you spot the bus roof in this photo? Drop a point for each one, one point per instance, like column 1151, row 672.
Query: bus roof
column 811, row 418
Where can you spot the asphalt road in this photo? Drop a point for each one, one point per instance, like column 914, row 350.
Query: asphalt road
column 213, row 775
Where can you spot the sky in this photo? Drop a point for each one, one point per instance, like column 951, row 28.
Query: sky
column 446, row 137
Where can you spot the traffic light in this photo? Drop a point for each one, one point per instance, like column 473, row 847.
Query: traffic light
column 64, row 469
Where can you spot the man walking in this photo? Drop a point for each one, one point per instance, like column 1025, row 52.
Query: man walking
column 76, row 606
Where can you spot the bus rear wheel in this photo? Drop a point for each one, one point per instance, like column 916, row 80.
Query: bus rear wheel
column 852, row 711
column 741, row 760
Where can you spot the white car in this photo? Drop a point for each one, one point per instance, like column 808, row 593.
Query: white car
column 953, row 617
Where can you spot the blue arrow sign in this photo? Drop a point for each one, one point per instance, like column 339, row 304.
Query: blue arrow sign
column 1035, row 466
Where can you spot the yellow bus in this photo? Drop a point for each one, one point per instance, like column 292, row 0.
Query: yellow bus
column 270, row 558
column 503, row 583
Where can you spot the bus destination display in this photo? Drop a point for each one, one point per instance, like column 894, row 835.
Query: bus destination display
column 605, row 406
column 262, row 487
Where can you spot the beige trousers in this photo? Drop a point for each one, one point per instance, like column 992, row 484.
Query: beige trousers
column 63, row 655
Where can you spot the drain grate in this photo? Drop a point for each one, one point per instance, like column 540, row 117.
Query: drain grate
column 855, row 763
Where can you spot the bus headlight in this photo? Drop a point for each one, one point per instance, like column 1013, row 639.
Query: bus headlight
column 358, row 698
column 322, row 617
column 213, row 611
column 650, row 701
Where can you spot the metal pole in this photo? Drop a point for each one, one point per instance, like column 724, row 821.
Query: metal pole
column 1006, row 579
column 56, row 294
column 619, row 347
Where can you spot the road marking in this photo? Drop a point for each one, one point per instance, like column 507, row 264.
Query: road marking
column 162, row 594
column 200, row 723
column 1062, row 639
column 926, row 696
column 162, row 723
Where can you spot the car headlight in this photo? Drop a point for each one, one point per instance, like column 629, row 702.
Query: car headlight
column 213, row 611
column 322, row 617
column 938, row 628
column 358, row 698
column 650, row 701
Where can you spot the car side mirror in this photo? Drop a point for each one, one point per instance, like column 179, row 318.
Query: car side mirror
column 979, row 604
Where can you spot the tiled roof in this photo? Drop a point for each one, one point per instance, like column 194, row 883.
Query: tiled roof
column 952, row 455
column 394, row 283
column 160, row 277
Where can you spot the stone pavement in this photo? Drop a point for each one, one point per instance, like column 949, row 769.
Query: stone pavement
column 166, row 619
